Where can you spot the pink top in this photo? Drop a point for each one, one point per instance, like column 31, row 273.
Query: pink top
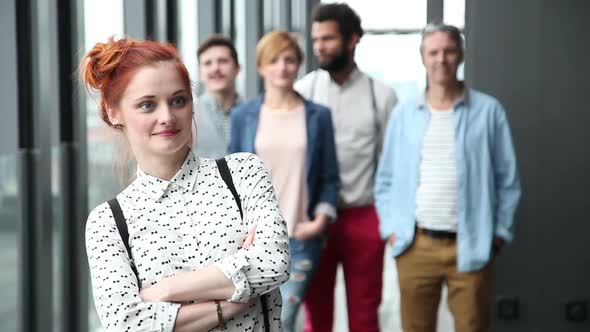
column 281, row 142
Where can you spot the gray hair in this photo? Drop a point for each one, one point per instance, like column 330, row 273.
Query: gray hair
column 453, row 32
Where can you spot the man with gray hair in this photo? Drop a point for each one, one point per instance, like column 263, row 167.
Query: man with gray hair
column 446, row 191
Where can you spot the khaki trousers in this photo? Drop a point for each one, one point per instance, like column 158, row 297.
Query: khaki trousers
column 423, row 269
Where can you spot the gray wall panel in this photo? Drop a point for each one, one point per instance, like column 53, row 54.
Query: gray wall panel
column 532, row 55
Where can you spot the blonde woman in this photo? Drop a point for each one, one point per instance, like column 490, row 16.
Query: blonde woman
column 294, row 137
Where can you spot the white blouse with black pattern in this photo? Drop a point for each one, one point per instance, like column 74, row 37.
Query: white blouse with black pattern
column 185, row 224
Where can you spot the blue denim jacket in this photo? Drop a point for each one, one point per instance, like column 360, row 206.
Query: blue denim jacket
column 487, row 176
column 321, row 164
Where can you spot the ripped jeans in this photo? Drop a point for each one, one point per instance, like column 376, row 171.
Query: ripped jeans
column 305, row 256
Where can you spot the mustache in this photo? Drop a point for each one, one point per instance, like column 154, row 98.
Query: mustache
column 216, row 74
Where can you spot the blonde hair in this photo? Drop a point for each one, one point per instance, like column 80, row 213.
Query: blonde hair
column 274, row 43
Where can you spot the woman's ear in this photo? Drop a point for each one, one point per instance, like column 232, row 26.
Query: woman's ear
column 260, row 71
column 114, row 117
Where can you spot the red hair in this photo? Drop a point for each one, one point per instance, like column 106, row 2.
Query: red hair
column 108, row 67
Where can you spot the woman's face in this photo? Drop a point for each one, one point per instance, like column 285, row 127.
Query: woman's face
column 281, row 72
column 156, row 111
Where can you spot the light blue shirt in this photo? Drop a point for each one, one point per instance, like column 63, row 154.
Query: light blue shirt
column 487, row 177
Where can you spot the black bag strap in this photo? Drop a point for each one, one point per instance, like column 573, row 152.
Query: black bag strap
column 374, row 106
column 123, row 232
column 377, row 122
column 229, row 182
column 374, row 100
column 265, row 312
column 226, row 176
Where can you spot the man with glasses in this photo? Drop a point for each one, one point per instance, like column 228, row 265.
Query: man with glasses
column 446, row 191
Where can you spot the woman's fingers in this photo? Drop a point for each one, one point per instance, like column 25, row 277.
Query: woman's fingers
column 250, row 237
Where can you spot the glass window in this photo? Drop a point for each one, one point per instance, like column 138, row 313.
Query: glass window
column 187, row 36
column 389, row 50
column 102, row 19
column 393, row 59
column 9, row 244
column 101, row 139
column 10, row 191
column 454, row 13
column 390, row 14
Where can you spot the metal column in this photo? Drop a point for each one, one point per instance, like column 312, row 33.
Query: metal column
column 248, row 31
column 73, row 276
column 34, row 150
column 434, row 10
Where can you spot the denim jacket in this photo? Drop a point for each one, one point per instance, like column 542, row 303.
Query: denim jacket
column 321, row 164
column 487, row 177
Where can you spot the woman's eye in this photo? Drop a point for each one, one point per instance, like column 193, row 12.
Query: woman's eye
column 179, row 101
column 147, row 106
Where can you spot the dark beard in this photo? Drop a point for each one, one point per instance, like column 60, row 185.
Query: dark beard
column 337, row 64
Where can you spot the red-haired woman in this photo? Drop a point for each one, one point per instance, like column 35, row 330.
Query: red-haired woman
column 188, row 261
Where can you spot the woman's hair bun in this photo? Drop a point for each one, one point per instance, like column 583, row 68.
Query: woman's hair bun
column 102, row 60
column 108, row 68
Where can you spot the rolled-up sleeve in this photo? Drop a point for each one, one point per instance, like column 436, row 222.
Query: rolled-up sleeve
column 329, row 185
column 264, row 265
column 115, row 286
column 327, row 209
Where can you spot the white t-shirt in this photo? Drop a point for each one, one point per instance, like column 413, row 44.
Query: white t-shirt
column 436, row 199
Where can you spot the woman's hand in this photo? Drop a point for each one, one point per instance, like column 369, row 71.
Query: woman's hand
column 249, row 240
column 157, row 293
column 202, row 316
column 310, row 229
column 161, row 291
column 231, row 309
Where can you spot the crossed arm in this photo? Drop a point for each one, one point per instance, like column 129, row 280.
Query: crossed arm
column 202, row 285
column 245, row 275
column 120, row 306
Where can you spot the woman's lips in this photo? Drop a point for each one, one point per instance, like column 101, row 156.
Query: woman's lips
column 170, row 132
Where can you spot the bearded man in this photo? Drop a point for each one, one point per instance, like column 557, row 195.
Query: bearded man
column 360, row 109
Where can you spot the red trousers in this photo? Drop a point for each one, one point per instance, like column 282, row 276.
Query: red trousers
column 354, row 241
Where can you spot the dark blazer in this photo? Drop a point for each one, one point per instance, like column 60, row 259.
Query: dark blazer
column 321, row 164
